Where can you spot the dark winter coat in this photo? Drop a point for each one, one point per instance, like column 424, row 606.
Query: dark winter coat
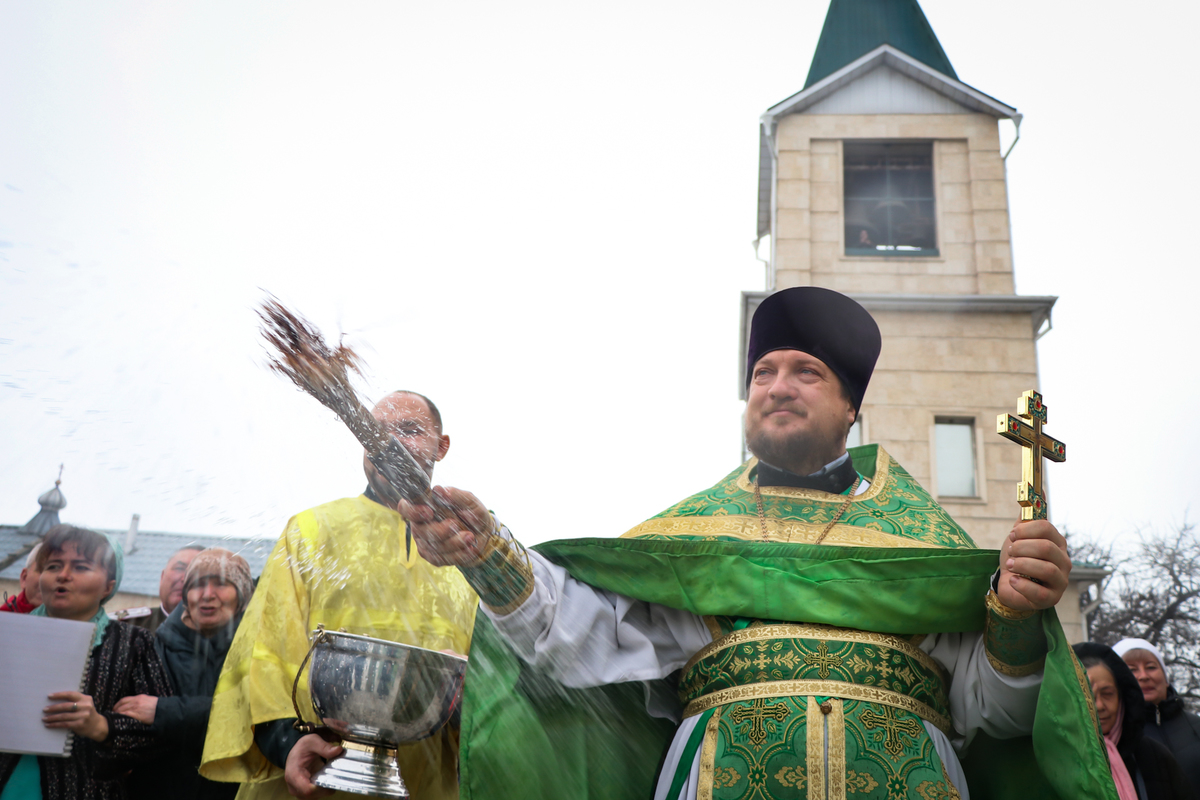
column 1154, row 771
column 1174, row 726
column 123, row 664
column 193, row 665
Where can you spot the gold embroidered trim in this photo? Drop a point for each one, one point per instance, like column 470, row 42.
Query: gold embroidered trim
column 1010, row 670
column 708, row 757
column 1011, row 635
column 714, row 629
column 954, row 795
column 994, row 604
column 758, row 633
column 502, row 576
column 837, row 750
column 739, row 526
column 846, row 691
column 881, row 475
column 814, row 740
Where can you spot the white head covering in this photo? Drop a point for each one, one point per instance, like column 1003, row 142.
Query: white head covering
column 1125, row 645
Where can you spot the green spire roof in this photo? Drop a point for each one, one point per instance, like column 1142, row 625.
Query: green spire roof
column 854, row 28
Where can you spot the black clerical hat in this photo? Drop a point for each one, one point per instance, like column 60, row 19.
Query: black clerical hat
column 822, row 323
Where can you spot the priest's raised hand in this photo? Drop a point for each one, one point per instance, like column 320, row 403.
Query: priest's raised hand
column 453, row 540
column 1034, row 566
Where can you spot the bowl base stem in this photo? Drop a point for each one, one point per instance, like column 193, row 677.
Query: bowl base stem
column 364, row 769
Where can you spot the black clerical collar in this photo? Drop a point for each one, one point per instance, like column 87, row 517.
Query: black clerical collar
column 369, row 493
column 835, row 477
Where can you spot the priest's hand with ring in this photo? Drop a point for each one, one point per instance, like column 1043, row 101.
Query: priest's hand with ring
column 1034, row 566
column 450, row 540
column 75, row 712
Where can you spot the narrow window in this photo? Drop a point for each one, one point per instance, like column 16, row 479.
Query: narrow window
column 889, row 199
column 955, row 437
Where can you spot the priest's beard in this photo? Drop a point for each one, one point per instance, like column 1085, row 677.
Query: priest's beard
column 800, row 452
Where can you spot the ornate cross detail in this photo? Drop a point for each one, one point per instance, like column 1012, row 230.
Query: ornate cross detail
column 822, row 660
column 1035, row 445
column 763, row 661
column 755, row 713
column 895, row 731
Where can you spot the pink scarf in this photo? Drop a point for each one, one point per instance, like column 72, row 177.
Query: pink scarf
column 1120, row 774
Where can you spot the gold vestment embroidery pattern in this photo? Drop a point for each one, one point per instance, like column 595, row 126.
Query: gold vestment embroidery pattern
column 708, row 751
column 757, row 633
column 894, row 511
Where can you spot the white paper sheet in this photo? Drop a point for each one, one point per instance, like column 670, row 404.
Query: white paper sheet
column 38, row 655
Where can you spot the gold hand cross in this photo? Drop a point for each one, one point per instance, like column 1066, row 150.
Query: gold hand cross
column 1035, row 445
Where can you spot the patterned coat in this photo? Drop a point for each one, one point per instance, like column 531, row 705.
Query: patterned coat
column 125, row 663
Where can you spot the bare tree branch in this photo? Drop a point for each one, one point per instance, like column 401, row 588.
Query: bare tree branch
column 1153, row 594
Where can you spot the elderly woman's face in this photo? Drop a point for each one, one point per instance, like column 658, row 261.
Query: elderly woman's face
column 1149, row 674
column 1108, row 699
column 211, row 603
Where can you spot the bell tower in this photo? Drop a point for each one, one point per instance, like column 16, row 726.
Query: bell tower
column 884, row 178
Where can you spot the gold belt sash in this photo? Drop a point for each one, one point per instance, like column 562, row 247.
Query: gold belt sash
column 791, row 660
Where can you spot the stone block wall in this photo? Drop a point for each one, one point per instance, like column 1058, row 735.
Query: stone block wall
column 944, row 364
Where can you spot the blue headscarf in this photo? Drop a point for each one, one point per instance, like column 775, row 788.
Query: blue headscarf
column 100, row 620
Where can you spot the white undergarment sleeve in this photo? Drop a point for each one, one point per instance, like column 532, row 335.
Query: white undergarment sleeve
column 982, row 699
column 586, row 636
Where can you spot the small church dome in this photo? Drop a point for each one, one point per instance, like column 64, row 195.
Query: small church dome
column 53, row 500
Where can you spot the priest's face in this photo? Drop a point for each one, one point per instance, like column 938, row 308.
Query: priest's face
column 407, row 417
column 797, row 414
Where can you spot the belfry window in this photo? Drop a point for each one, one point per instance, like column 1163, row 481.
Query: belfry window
column 889, row 199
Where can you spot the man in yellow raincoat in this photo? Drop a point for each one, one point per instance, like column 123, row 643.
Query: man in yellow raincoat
column 351, row 565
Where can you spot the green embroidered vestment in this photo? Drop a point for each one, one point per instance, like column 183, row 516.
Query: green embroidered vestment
column 894, row 563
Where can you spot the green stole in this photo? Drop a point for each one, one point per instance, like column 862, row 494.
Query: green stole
column 894, row 563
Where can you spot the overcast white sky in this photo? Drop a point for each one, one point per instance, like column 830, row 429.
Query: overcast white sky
column 539, row 214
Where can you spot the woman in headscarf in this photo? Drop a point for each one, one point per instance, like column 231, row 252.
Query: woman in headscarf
column 1141, row 768
column 193, row 642
column 1167, row 721
column 81, row 570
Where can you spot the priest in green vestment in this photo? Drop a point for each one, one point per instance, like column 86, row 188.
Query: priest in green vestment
column 812, row 626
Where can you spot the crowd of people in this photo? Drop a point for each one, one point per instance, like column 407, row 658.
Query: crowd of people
column 142, row 721
column 815, row 625
column 139, row 720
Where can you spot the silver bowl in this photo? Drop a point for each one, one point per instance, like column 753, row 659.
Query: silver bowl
column 377, row 695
